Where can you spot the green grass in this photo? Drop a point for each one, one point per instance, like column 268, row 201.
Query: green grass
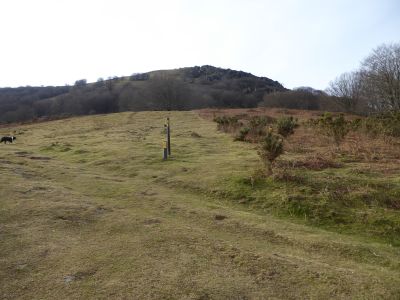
column 336, row 200
column 88, row 209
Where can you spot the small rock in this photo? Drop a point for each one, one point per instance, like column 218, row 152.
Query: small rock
column 69, row 278
column 195, row 135
column 220, row 217
column 21, row 266
column 152, row 221
column 40, row 158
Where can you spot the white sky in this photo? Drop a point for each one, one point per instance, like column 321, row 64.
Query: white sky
column 298, row 43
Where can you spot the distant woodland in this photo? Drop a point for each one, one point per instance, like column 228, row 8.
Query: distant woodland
column 375, row 87
column 181, row 89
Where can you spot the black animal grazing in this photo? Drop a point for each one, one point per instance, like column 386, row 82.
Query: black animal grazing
column 6, row 139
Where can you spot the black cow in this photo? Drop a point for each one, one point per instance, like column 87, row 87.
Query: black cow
column 6, row 139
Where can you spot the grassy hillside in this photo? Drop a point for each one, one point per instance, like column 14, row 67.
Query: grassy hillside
column 88, row 209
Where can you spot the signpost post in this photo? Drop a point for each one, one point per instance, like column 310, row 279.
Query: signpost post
column 165, row 151
column 168, row 137
column 167, row 141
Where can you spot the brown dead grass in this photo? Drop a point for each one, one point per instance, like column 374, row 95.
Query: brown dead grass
column 314, row 151
column 314, row 162
column 364, row 148
column 210, row 113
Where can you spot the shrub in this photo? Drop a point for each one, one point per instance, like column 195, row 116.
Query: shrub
column 387, row 124
column 244, row 131
column 227, row 124
column 372, row 127
column 334, row 127
column 391, row 124
column 356, row 124
column 260, row 121
column 271, row 147
column 257, row 127
column 286, row 126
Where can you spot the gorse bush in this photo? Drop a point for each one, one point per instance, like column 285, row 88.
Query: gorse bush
column 387, row 124
column 286, row 126
column 252, row 132
column 260, row 121
column 333, row 127
column 223, row 120
column 356, row 124
column 372, row 127
column 270, row 148
column 227, row 124
column 243, row 132
column 257, row 127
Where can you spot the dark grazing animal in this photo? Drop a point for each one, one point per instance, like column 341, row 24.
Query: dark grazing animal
column 6, row 139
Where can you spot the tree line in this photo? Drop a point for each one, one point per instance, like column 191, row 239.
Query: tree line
column 375, row 86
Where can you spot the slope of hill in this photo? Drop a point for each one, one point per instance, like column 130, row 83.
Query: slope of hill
column 181, row 89
column 89, row 210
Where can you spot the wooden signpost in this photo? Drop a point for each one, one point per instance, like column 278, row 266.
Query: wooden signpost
column 167, row 142
column 168, row 137
column 165, row 151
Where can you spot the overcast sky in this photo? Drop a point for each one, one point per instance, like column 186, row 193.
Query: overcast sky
column 298, row 43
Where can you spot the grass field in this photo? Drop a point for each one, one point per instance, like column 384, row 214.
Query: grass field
column 88, row 209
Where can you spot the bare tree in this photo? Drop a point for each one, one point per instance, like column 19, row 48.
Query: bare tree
column 381, row 77
column 168, row 93
column 347, row 90
column 132, row 98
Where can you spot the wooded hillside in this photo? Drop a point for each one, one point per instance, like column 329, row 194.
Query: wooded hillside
column 180, row 89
